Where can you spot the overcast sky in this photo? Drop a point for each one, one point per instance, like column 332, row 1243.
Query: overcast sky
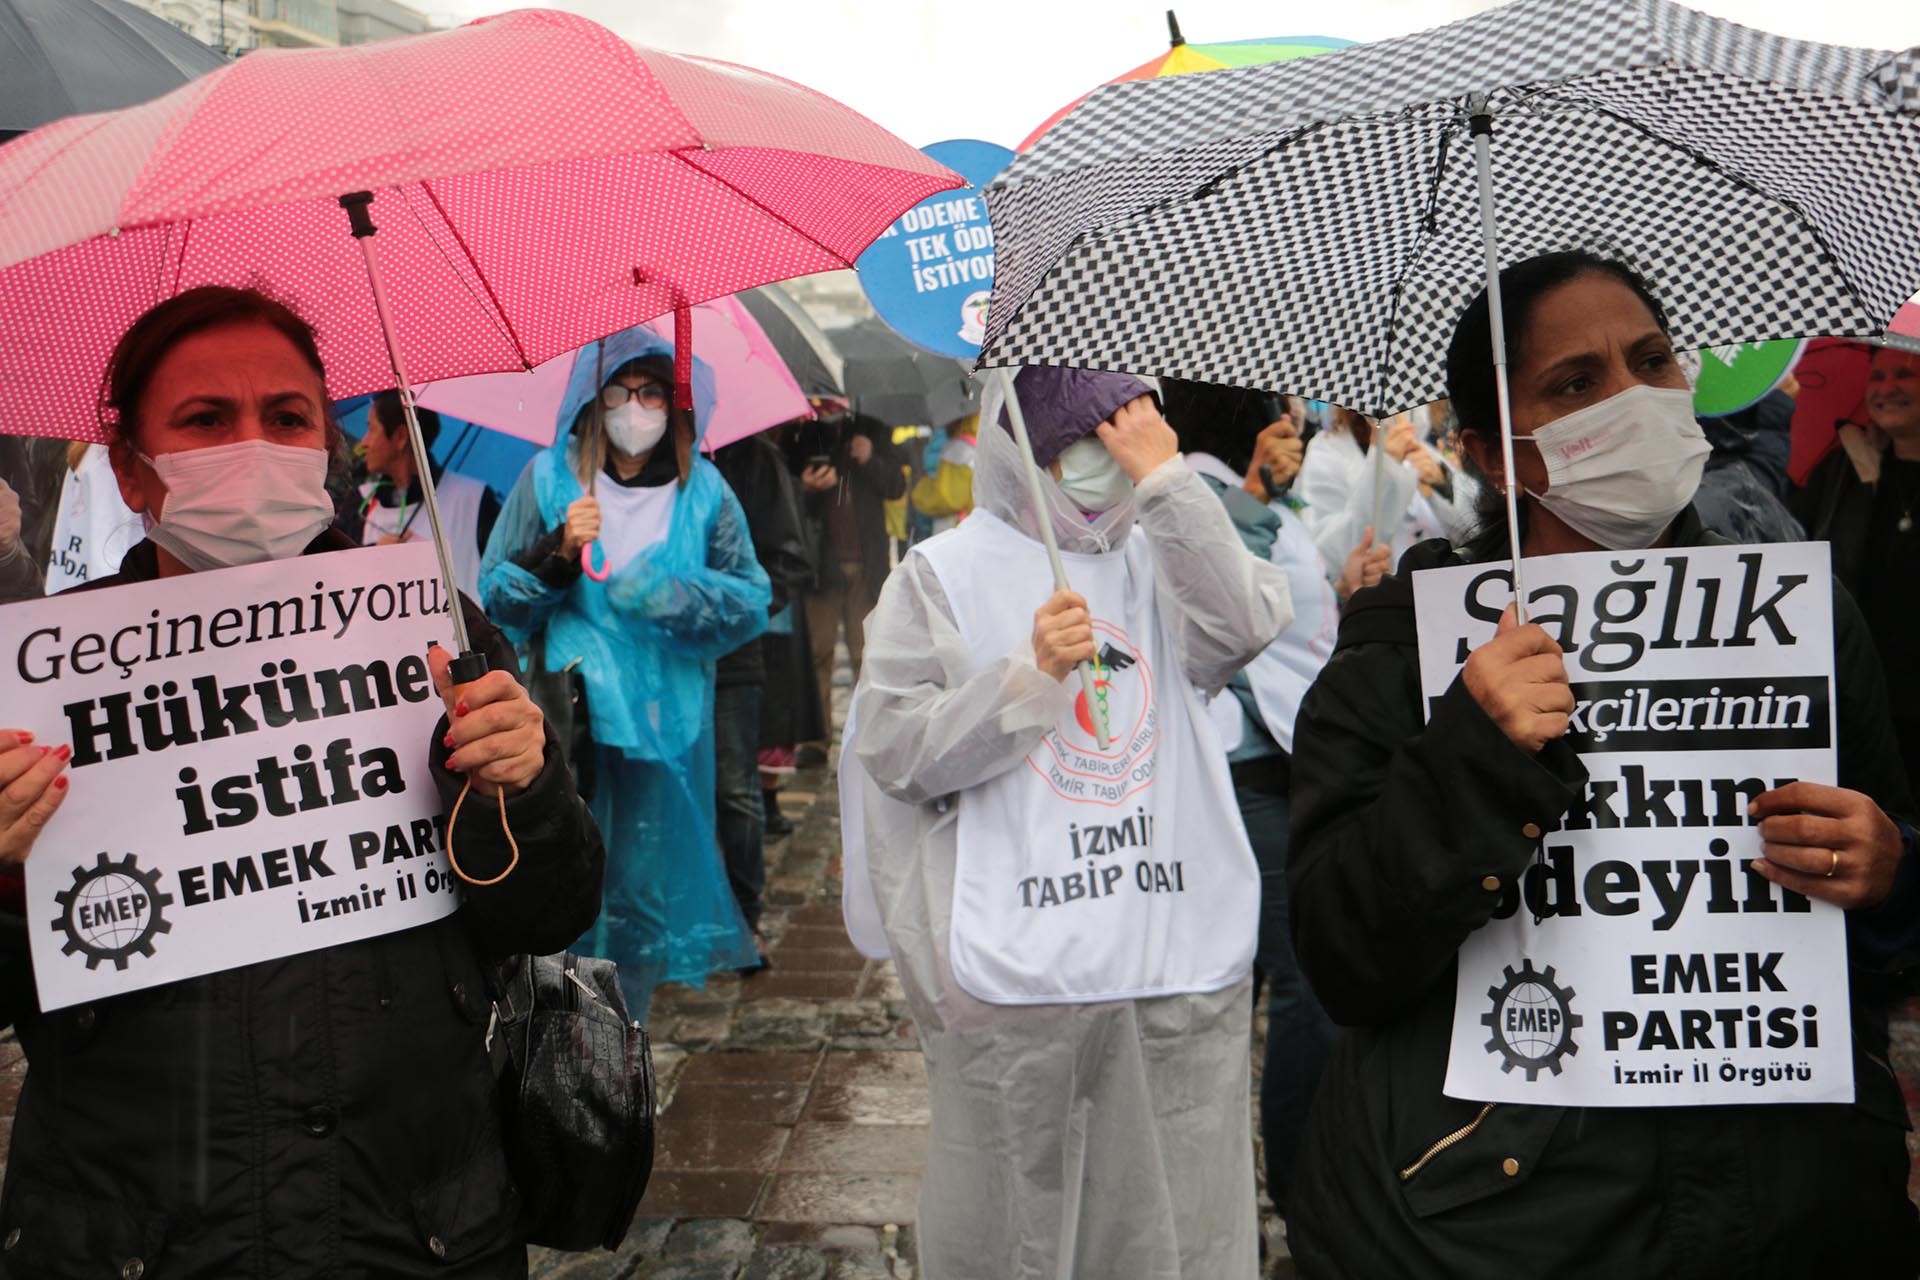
column 993, row 69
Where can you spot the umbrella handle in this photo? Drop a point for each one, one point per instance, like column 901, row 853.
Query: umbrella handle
column 1089, row 682
column 597, row 572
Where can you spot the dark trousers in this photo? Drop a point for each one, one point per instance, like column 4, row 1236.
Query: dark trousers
column 742, row 816
column 1299, row 1034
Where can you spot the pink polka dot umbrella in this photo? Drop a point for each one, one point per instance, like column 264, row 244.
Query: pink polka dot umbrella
column 536, row 183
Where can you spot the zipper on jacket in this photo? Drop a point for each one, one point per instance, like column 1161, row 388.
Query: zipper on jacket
column 1457, row 1136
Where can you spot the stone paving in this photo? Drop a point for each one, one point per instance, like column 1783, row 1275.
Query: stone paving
column 794, row 1120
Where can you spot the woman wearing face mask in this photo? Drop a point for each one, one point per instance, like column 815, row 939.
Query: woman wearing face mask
column 681, row 589
column 1405, row 833
column 1073, row 921
column 326, row 1113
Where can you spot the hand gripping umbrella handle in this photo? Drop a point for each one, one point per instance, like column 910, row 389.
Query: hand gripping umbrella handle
column 1089, row 686
column 592, row 552
column 466, row 669
column 472, row 663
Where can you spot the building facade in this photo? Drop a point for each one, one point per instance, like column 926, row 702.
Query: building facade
column 235, row 26
column 294, row 24
column 365, row 20
column 221, row 24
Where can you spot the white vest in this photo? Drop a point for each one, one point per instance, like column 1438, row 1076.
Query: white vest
column 459, row 498
column 1282, row 672
column 93, row 528
column 1087, row 875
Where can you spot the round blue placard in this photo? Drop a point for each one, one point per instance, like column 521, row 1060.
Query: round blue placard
column 931, row 273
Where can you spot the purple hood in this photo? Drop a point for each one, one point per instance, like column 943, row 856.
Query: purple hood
column 1063, row 406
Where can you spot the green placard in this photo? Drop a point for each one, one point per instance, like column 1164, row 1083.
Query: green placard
column 1737, row 374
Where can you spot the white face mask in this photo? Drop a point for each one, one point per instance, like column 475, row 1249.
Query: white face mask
column 1090, row 476
column 1621, row 470
column 240, row 503
column 635, row 430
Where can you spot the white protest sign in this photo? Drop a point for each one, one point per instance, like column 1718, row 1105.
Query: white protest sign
column 1639, row 961
column 250, row 766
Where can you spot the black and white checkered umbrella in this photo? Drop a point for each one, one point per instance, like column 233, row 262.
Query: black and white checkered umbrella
column 1315, row 226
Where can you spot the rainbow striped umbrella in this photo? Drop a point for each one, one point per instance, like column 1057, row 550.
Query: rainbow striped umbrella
column 1181, row 57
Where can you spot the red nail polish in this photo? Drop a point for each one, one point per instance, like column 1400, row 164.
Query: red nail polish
column 460, row 709
column 447, row 742
column 65, row 753
column 23, row 738
column 60, row 783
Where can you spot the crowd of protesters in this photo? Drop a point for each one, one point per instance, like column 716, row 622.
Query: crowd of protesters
column 1261, row 548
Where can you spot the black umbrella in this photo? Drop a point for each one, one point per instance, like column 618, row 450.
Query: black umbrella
column 809, row 354
column 69, row 57
column 1318, row 226
column 900, row 384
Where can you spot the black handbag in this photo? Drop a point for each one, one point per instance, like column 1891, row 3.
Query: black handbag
column 576, row 1078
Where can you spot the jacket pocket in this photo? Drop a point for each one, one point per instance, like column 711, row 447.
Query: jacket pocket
column 44, row 1232
column 473, row 1211
column 1490, row 1149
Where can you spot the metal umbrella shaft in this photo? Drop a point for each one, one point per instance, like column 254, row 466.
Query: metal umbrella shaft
column 1088, row 684
column 1480, row 125
column 1377, row 444
column 356, row 206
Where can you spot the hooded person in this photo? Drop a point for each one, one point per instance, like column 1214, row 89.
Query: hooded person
column 1073, row 920
column 682, row 587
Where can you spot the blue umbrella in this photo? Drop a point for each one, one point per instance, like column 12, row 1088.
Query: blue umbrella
column 494, row 459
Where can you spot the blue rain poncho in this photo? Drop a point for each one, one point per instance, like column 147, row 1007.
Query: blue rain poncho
column 645, row 642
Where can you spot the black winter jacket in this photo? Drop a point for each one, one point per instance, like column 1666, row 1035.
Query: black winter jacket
column 757, row 473
column 865, row 486
column 1394, row 827
column 326, row 1114
column 1836, row 506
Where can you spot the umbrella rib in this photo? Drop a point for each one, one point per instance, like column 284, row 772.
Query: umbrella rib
column 1147, row 210
column 1428, row 230
column 180, row 257
column 498, row 312
column 676, row 153
column 1800, row 215
column 25, row 180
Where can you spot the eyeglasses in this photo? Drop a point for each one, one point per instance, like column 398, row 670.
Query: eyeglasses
column 651, row 395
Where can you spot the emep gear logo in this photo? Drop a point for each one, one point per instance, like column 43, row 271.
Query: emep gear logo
column 112, row 912
column 1532, row 1021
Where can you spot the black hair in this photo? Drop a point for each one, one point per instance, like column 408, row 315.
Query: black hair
column 1470, row 377
column 1221, row 420
column 394, row 418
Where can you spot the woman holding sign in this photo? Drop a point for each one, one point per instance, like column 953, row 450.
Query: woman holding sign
column 329, row 1112
column 676, row 588
column 1417, row 829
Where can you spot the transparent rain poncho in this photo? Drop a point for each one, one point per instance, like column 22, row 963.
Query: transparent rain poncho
column 1107, row 1140
column 645, row 642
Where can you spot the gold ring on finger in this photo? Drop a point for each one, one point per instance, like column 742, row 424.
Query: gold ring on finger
column 1835, row 864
